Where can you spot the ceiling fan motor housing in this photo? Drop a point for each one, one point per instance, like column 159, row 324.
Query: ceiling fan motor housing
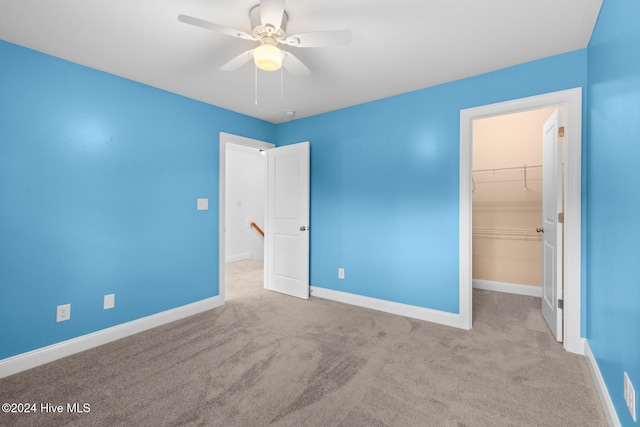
column 276, row 30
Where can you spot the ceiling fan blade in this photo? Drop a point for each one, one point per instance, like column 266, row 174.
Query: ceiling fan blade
column 215, row 27
column 271, row 13
column 238, row 61
column 319, row 39
column 292, row 64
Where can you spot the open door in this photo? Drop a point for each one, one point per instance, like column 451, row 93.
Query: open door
column 551, row 228
column 287, row 222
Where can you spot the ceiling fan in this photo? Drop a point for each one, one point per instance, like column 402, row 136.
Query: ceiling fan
column 269, row 30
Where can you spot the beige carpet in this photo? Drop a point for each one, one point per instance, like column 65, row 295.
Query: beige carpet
column 270, row 359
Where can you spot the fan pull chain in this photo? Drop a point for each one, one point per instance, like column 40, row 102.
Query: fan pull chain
column 255, row 85
column 281, row 83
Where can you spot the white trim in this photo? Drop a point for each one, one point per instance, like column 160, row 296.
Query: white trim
column 238, row 257
column 605, row 399
column 572, row 98
column 21, row 362
column 510, row 288
column 238, row 140
column 465, row 287
column 412, row 311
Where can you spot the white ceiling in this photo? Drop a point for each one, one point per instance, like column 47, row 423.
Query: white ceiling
column 397, row 47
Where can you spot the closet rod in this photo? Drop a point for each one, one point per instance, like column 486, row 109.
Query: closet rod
column 509, row 168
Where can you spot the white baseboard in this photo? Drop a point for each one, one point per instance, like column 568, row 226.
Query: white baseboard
column 237, row 257
column 511, row 288
column 21, row 362
column 415, row 312
column 605, row 399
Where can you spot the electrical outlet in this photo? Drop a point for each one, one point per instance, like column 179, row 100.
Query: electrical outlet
column 203, row 204
column 341, row 273
column 630, row 396
column 63, row 313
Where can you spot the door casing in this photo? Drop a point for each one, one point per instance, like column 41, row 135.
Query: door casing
column 572, row 99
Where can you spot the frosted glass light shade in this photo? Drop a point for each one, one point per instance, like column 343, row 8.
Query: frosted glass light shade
column 267, row 57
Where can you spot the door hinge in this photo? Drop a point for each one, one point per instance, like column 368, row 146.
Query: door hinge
column 561, row 217
column 561, row 304
column 561, row 131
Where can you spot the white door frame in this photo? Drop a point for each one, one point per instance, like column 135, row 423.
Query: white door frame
column 572, row 99
column 247, row 142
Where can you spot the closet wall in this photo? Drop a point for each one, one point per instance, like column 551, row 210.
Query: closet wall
column 507, row 201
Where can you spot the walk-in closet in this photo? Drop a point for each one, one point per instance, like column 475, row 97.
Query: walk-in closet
column 507, row 201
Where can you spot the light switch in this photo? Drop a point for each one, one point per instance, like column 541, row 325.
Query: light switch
column 109, row 301
column 203, row 204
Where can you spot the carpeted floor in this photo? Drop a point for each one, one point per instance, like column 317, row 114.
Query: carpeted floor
column 269, row 359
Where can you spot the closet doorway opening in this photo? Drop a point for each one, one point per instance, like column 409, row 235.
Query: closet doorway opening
column 508, row 192
column 571, row 99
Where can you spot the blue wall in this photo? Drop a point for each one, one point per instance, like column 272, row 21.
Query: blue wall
column 384, row 183
column 613, row 212
column 99, row 178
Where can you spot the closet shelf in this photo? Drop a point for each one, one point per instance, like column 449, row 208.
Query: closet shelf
column 522, row 169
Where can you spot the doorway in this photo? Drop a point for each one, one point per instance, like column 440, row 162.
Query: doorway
column 507, row 202
column 232, row 149
column 286, row 233
column 572, row 99
column 245, row 202
column 508, row 193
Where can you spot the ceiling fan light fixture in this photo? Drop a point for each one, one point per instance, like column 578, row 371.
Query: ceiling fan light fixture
column 268, row 57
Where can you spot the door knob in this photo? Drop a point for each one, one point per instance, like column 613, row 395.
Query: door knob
column 539, row 230
column 304, row 228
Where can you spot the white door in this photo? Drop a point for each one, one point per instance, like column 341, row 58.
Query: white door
column 552, row 229
column 287, row 223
